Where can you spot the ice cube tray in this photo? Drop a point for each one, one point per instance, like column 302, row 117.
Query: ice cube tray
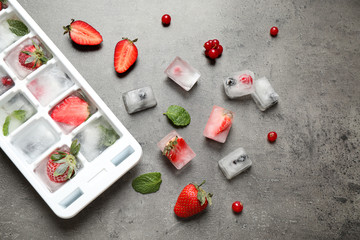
column 25, row 144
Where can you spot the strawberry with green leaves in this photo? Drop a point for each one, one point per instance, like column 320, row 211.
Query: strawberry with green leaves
column 174, row 147
column 72, row 111
column 192, row 200
column 63, row 165
column 83, row 33
column 32, row 56
column 125, row 55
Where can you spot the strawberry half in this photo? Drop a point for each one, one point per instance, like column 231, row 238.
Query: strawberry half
column 83, row 33
column 226, row 121
column 61, row 166
column 192, row 200
column 73, row 111
column 32, row 56
column 125, row 55
column 173, row 148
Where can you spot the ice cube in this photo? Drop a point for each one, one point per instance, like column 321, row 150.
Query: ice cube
column 41, row 170
column 17, row 109
column 49, row 84
column 182, row 73
column 174, row 147
column 235, row 163
column 72, row 111
column 264, row 95
column 139, row 99
column 35, row 139
column 218, row 126
column 239, row 84
column 6, row 81
column 12, row 59
column 7, row 37
column 95, row 138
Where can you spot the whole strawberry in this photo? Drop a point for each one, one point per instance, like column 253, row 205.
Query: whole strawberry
column 61, row 166
column 83, row 33
column 125, row 55
column 32, row 56
column 192, row 200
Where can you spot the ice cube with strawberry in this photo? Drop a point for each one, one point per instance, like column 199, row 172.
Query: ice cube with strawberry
column 219, row 124
column 239, row 84
column 63, row 165
column 71, row 112
column 28, row 56
column 174, row 147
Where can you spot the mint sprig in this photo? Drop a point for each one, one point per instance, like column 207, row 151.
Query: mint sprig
column 18, row 114
column 17, row 27
column 147, row 183
column 109, row 136
column 178, row 115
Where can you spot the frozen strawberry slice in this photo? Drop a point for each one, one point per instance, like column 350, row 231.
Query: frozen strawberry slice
column 226, row 121
column 174, row 147
column 73, row 111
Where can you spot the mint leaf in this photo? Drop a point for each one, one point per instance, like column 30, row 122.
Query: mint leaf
column 6, row 126
column 109, row 136
column 178, row 115
column 19, row 115
column 18, row 27
column 147, row 183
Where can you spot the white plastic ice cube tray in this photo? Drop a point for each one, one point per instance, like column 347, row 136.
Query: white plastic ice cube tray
column 95, row 176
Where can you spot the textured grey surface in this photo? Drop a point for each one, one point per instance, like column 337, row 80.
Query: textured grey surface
column 305, row 186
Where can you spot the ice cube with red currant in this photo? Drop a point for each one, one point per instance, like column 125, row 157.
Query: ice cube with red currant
column 264, row 94
column 219, row 124
column 182, row 73
column 6, row 81
column 174, row 147
column 27, row 57
column 239, row 84
column 235, row 163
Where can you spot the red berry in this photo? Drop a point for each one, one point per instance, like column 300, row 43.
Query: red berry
column 215, row 43
column 7, row 81
column 213, row 53
column 219, row 48
column 211, row 43
column 166, row 19
column 274, row 31
column 272, row 136
column 207, row 45
column 237, row 207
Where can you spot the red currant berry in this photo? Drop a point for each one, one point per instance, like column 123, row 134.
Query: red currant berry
column 237, row 207
column 274, row 31
column 207, row 45
column 215, row 43
column 166, row 19
column 213, row 53
column 219, row 48
column 211, row 43
column 7, row 81
column 272, row 136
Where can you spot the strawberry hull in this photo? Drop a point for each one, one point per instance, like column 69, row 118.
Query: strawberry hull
column 32, row 134
column 179, row 157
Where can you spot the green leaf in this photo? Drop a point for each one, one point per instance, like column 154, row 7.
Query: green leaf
column 61, row 169
column 18, row 27
column 57, row 157
column 19, row 115
column 75, row 147
column 6, row 126
column 147, row 183
column 109, row 136
column 30, row 59
column 178, row 115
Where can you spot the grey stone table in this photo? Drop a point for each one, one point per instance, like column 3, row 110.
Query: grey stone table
column 305, row 186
